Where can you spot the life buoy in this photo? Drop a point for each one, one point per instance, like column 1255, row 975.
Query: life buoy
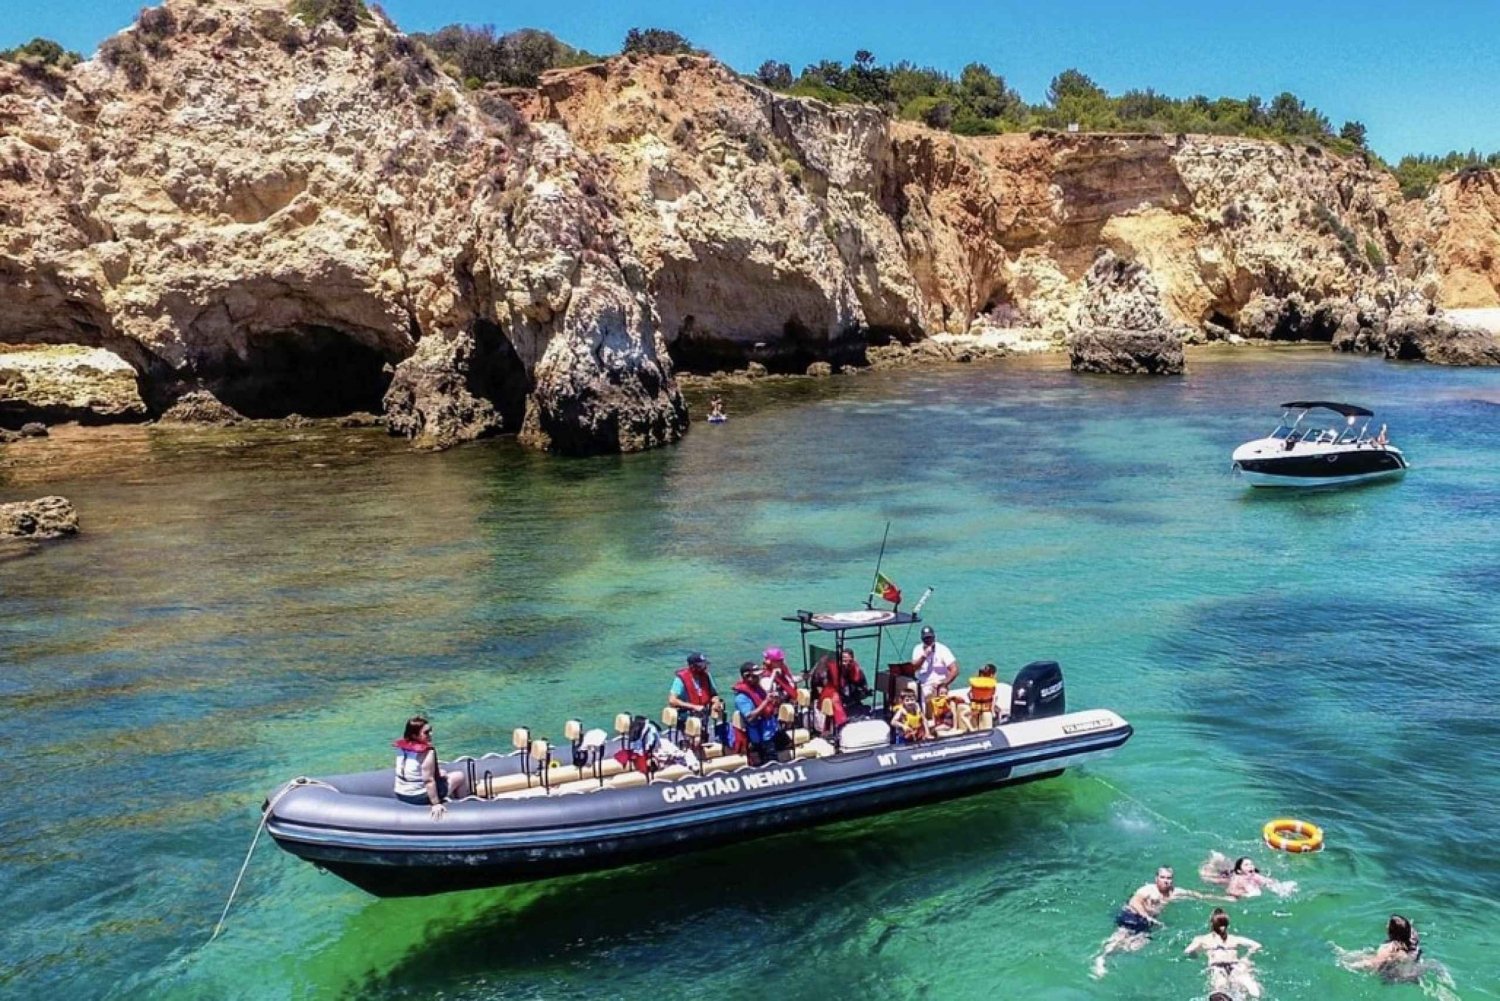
column 1288, row 835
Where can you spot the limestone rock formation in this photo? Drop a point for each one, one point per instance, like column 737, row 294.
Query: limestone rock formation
column 199, row 406
column 1121, row 325
column 279, row 213
column 1463, row 217
column 1416, row 330
column 66, row 383
column 44, row 518
column 440, row 396
column 307, row 219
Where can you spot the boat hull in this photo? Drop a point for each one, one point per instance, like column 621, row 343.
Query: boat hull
column 394, row 850
column 1319, row 467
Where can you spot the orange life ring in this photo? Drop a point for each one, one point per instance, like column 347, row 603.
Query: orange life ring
column 1288, row 835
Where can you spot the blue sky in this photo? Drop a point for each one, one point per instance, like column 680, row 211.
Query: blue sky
column 1422, row 77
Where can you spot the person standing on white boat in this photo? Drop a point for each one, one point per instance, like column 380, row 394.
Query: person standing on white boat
column 934, row 663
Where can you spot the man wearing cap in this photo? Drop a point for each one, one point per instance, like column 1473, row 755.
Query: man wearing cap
column 758, row 735
column 934, row 663
column 693, row 689
column 775, row 676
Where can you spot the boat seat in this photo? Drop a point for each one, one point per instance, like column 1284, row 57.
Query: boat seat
column 625, row 780
column 946, row 731
column 726, row 763
column 672, row 772
column 497, row 785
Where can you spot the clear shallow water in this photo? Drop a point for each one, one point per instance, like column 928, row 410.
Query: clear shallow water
column 241, row 610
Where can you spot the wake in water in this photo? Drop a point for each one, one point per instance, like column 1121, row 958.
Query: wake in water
column 1433, row 977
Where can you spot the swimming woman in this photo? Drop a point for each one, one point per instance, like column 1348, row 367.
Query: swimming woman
column 1228, row 971
column 1242, row 879
column 1399, row 956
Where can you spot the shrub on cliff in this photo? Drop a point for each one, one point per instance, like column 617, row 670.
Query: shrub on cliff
column 656, row 42
column 41, row 52
column 123, row 52
column 346, row 14
column 1418, row 174
column 515, row 59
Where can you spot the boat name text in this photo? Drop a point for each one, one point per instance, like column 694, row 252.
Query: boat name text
column 1088, row 724
column 724, row 785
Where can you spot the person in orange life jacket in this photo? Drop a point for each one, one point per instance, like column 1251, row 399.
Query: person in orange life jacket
column 907, row 721
column 775, row 675
column 418, row 780
column 933, row 662
column 982, row 693
column 761, row 737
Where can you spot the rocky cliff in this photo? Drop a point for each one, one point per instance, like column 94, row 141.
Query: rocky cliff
column 227, row 199
column 303, row 218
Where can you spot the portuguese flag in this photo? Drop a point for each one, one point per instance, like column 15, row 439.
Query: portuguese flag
column 886, row 589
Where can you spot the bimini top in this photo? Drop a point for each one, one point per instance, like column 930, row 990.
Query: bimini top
column 858, row 619
column 1347, row 409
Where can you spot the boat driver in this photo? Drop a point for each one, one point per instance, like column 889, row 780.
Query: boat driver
column 934, row 663
column 761, row 738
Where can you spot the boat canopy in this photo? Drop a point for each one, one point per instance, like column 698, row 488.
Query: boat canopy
column 1347, row 409
column 863, row 618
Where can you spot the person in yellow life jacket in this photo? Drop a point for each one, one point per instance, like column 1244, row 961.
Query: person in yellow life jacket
column 942, row 708
column 982, row 693
column 907, row 722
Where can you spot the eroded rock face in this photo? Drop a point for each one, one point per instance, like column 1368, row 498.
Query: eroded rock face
column 440, row 396
column 44, row 518
column 1463, row 217
column 280, row 213
column 66, row 383
column 1416, row 330
column 283, row 215
column 1120, row 325
column 199, row 406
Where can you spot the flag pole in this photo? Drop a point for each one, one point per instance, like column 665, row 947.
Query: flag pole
column 875, row 581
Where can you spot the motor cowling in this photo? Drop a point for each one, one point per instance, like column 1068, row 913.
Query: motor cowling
column 1037, row 691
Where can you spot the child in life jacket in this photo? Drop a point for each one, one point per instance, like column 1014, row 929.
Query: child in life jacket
column 943, row 709
column 907, row 722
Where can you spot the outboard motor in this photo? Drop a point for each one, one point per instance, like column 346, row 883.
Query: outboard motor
column 1037, row 692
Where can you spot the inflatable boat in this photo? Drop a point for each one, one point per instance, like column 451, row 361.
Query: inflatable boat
column 548, row 809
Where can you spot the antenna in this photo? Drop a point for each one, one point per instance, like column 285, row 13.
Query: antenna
column 875, row 581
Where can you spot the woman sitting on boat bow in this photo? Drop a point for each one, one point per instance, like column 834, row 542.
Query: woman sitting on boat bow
column 418, row 781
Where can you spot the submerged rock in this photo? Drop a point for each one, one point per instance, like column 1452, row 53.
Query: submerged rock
column 44, row 518
column 34, row 429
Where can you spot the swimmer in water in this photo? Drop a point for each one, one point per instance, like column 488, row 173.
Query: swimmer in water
column 1228, row 971
column 1242, row 879
column 1398, row 958
column 1141, row 913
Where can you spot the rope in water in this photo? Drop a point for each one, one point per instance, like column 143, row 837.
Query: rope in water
column 265, row 817
column 1155, row 813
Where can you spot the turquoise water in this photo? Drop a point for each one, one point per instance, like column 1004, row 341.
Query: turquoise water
column 243, row 609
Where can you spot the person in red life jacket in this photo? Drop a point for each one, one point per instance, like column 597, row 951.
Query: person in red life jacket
column 641, row 745
column 693, row 691
column 775, row 675
column 418, row 780
column 760, row 738
column 826, row 691
column 853, row 688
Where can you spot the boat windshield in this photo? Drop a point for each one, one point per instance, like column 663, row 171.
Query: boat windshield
column 1320, row 430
